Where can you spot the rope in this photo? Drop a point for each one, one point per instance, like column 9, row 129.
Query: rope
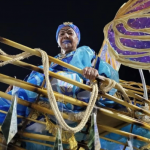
column 53, row 102
column 50, row 93
column 20, row 56
column 106, row 86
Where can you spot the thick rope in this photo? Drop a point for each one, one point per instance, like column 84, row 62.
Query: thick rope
column 50, row 93
column 53, row 102
column 20, row 56
column 110, row 84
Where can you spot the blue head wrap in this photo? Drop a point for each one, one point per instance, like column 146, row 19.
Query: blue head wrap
column 71, row 25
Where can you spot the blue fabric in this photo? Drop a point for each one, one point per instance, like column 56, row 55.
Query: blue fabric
column 74, row 27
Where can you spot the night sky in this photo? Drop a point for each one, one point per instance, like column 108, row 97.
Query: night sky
column 34, row 24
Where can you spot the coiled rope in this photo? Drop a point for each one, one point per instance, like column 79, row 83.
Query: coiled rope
column 105, row 86
column 50, row 93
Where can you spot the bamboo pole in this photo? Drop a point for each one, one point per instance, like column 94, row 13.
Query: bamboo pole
column 130, row 93
column 9, row 80
column 106, row 128
column 37, row 89
column 110, row 113
column 119, row 116
column 131, row 87
column 123, row 133
column 51, row 73
column 131, row 83
column 117, row 127
column 134, row 107
column 37, row 53
column 136, row 92
column 110, row 129
column 37, row 136
column 31, row 105
column 34, row 52
column 35, row 68
column 22, row 117
column 28, row 86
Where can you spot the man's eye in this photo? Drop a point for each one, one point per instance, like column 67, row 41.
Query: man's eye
column 61, row 34
column 70, row 33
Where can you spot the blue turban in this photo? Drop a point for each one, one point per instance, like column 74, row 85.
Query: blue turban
column 71, row 25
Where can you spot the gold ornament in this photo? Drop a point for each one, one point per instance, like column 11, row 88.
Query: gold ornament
column 68, row 23
column 66, row 136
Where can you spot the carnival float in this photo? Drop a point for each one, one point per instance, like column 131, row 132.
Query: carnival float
column 119, row 121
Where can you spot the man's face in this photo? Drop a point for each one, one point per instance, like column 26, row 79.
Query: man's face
column 67, row 39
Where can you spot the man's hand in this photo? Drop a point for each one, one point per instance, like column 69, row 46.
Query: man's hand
column 90, row 73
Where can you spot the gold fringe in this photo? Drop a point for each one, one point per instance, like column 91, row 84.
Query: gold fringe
column 72, row 142
column 76, row 116
column 66, row 136
column 35, row 114
column 44, row 104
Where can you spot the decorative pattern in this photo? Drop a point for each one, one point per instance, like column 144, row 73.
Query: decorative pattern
column 105, row 56
column 128, row 35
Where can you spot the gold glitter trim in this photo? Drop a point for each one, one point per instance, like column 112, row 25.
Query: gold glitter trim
column 66, row 136
column 67, row 23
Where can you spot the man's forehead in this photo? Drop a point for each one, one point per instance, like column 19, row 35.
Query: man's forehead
column 66, row 29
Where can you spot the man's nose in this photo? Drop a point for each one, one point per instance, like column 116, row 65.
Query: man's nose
column 66, row 35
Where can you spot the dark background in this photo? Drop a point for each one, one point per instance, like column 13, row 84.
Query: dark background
column 34, row 24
